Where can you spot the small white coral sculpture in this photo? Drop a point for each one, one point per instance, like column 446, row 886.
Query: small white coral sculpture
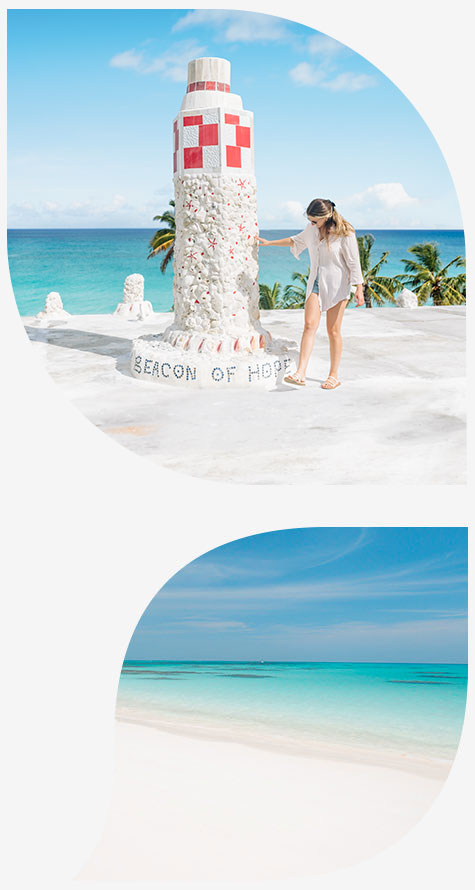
column 407, row 299
column 133, row 305
column 53, row 313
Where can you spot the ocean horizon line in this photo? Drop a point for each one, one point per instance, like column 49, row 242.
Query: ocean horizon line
column 263, row 661
column 266, row 228
column 88, row 266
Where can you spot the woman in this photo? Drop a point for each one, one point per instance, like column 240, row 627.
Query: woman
column 334, row 257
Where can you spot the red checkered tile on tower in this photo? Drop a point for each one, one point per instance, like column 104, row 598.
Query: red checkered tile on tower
column 233, row 156
column 243, row 137
column 193, row 157
column 208, row 134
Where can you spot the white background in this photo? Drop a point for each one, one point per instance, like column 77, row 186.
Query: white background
column 92, row 531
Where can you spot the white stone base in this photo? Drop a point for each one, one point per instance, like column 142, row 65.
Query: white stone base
column 155, row 360
column 46, row 319
column 136, row 311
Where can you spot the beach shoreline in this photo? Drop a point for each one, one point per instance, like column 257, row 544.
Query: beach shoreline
column 265, row 739
column 197, row 809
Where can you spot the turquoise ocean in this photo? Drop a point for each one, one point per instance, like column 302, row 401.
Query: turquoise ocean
column 413, row 710
column 88, row 266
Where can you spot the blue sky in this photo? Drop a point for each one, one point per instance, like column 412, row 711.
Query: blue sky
column 319, row 594
column 92, row 94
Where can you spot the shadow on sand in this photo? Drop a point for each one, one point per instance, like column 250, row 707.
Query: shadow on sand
column 85, row 341
column 104, row 344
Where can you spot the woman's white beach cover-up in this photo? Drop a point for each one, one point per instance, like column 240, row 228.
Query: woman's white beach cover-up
column 337, row 264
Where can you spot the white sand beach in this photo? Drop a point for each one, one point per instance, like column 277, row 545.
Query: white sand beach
column 188, row 808
column 397, row 418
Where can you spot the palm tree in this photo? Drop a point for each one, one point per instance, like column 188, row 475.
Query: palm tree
column 460, row 284
column 375, row 287
column 294, row 294
column 164, row 239
column 270, row 297
column 428, row 278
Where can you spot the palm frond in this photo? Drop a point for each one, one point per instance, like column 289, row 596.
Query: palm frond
column 374, row 271
column 164, row 239
column 383, row 289
column 458, row 261
column 161, row 235
column 424, row 293
column 167, row 258
column 160, row 244
column 428, row 255
column 295, row 294
column 415, row 268
column 269, row 297
column 168, row 218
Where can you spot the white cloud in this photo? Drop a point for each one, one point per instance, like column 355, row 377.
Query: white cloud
column 321, row 44
column 214, row 570
column 212, row 624
column 355, row 588
column 172, row 64
column 128, row 59
column 442, row 639
column 236, row 26
column 384, row 205
column 306, row 74
column 115, row 211
column 368, row 208
column 436, row 613
column 293, row 210
column 350, row 82
column 118, row 202
column 415, row 640
column 384, row 194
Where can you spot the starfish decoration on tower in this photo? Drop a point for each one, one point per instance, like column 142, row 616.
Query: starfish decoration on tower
column 212, row 242
column 192, row 255
column 241, row 183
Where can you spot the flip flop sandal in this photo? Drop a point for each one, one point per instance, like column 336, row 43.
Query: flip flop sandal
column 295, row 379
column 332, row 385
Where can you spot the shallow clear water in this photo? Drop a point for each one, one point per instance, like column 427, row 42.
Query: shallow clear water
column 88, row 266
column 413, row 708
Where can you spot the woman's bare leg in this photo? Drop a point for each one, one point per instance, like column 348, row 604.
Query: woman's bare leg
column 312, row 320
column 334, row 320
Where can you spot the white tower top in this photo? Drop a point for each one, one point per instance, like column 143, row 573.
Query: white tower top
column 211, row 71
column 209, row 85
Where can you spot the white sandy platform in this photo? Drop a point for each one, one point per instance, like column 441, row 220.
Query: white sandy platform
column 197, row 809
column 397, row 418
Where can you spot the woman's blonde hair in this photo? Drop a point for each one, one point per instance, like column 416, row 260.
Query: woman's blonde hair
column 336, row 225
